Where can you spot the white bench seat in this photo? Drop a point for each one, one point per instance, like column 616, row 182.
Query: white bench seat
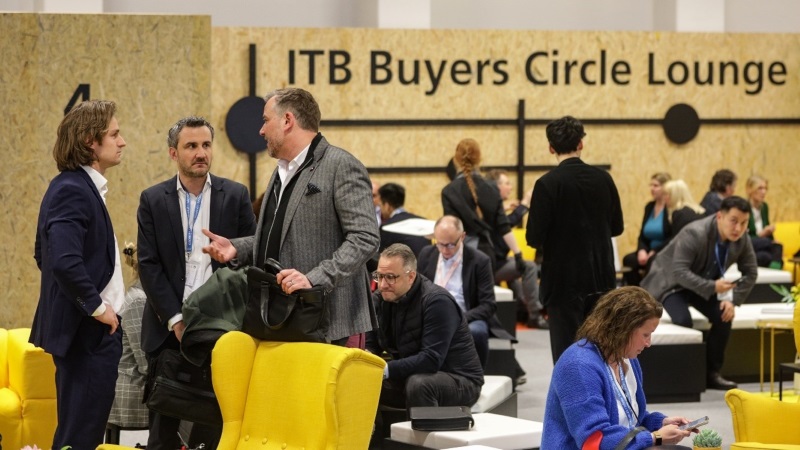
column 669, row 334
column 492, row 430
column 495, row 390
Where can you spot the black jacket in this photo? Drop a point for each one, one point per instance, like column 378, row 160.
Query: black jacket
column 424, row 332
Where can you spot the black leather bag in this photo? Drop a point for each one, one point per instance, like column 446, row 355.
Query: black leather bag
column 273, row 315
column 178, row 388
column 440, row 418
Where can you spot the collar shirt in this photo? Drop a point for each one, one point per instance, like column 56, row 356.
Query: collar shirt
column 114, row 292
column 448, row 276
column 397, row 211
column 195, row 217
column 287, row 169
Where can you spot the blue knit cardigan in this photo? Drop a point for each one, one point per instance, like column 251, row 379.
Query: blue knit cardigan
column 581, row 401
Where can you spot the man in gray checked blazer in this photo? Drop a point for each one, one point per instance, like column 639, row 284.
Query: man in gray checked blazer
column 317, row 218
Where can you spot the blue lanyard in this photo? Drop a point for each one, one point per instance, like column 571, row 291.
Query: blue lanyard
column 623, row 395
column 720, row 261
column 190, row 225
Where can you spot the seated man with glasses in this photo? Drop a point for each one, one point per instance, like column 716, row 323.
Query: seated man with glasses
column 425, row 333
column 467, row 274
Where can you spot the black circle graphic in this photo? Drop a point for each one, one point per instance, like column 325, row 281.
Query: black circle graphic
column 243, row 123
column 681, row 123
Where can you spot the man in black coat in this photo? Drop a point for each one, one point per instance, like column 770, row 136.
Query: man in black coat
column 433, row 359
column 575, row 210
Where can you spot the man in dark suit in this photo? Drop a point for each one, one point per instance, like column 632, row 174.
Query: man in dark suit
column 317, row 218
column 575, row 211
column 723, row 185
column 392, row 197
column 467, row 274
column 172, row 264
column 76, row 320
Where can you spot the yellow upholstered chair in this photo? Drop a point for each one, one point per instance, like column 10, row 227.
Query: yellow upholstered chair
column 788, row 234
column 27, row 392
column 763, row 423
column 276, row 395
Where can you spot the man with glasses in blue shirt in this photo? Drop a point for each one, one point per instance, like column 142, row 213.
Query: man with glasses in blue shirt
column 425, row 333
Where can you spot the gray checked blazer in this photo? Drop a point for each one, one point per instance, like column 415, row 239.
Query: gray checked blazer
column 328, row 234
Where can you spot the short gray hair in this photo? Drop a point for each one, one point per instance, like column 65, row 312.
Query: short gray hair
column 191, row 122
column 403, row 252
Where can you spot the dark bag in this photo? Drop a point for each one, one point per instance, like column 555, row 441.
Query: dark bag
column 440, row 418
column 273, row 315
column 178, row 388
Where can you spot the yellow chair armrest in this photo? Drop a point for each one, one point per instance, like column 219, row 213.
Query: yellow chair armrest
column 31, row 372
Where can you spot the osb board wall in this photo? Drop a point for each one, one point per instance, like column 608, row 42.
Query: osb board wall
column 161, row 68
column 157, row 69
column 634, row 152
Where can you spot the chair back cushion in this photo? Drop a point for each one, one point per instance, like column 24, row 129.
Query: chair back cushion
column 761, row 419
column 294, row 395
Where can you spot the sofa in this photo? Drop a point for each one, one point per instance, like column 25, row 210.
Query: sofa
column 27, row 392
column 763, row 423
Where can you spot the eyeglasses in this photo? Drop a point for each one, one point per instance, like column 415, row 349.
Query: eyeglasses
column 448, row 246
column 389, row 277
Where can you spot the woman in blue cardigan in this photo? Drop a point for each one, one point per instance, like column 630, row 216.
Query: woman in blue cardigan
column 587, row 405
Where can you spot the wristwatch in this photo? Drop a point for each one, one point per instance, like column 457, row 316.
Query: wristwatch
column 657, row 438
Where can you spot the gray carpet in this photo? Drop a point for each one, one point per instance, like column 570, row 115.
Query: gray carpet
column 533, row 353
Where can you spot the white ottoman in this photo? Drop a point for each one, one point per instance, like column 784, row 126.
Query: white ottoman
column 492, row 430
column 495, row 392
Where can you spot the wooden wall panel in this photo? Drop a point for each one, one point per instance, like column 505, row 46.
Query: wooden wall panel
column 157, row 69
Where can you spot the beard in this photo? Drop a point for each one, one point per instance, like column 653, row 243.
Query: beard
column 196, row 172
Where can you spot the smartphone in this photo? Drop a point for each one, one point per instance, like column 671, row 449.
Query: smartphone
column 738, row 280
column 694, row 424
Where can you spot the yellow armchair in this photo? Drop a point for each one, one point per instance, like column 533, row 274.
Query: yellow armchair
column 27, row 392
column 293, row 396
column 763, row 423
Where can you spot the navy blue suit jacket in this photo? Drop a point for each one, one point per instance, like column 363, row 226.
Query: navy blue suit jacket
column 75, row 254
column 162, row 248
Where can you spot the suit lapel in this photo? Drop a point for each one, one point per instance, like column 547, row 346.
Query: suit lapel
column 215, row 207
column 172, row 206
column 110, row 252
column 300, row 187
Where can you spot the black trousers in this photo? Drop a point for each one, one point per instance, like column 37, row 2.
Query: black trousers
column 565, row 318
column 677, row 305
column 85, row 381
column 164, row 429
column 430, row 389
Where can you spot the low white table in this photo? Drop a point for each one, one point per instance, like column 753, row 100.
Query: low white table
column 492, row 430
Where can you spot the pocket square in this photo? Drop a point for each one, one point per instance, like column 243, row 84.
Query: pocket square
column 312, row 189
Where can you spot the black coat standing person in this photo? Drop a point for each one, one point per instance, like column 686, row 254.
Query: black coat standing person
column 575, row 211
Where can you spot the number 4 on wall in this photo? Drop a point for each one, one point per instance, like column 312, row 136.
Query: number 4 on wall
column 83, row 92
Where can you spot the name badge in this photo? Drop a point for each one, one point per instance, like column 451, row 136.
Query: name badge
column 192, row 268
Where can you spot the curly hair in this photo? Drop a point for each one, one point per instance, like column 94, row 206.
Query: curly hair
column 615, row 317
column 468, row 158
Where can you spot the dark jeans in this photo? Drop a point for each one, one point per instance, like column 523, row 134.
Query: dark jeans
column 430, row 389
column 480, row 335
column 677, row 305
